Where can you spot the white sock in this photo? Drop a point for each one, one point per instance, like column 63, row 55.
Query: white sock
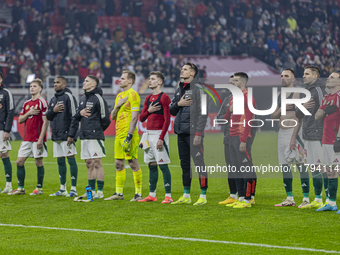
column 327, row 200
column 332, row 203
column 203, row 196
column 153, row 194
column 305, row 199
column 240, row 199
column 168, row 194
column 233, row 196
column 63, row 187
column 186, row 195
column 74, row 188
column 318, row 200
column 8, row 184
column 252, row 197
column 247, row 201
column 290, row 198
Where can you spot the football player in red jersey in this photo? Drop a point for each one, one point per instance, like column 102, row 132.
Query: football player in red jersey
column 329, row 111
column 33, row 114
column 155, row 141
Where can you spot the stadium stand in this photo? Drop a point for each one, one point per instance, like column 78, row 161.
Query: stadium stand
column 104, row 37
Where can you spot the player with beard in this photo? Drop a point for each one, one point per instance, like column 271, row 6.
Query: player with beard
column 241, row 140
column 292, row 138
column 312, row 133
column 225, row 128
column 329, row 112
column 61, row 111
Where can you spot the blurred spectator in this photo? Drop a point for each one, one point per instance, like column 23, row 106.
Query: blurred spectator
column 224, row 47
column 137, row 8
column 37, row 5
column 101, row 6
column 110, row 7
column 62, row 4
column 17, row 12
column 273, row 44
column 24, row 72
column 292, row 23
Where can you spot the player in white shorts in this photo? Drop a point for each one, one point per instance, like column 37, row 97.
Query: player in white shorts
column 61, row 111
column 291, row 137
column 155, row 141
column 93, row 114
column 34, row 143
column 329, row 111
column 6, row 120
column 312, row 132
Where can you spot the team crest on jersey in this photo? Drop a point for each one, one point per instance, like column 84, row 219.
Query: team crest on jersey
column 89, row 105
column 27, row 107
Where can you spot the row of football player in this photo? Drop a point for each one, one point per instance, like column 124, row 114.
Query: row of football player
column 313, row 142
column 93, row 115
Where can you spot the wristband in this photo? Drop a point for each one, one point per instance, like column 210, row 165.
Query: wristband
column 129, row 137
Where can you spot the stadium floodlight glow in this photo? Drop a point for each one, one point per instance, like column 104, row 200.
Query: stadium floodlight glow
column 238, row 100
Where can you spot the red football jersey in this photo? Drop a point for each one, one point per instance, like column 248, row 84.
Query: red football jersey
column 332, row 121
column 33, row 124
column 159, row 120
column 239, row 123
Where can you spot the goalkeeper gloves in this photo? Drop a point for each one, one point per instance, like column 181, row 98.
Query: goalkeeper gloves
column 127, row 143
column 329, row 109
column 336, row 146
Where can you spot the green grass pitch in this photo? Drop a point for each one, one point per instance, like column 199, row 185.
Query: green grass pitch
column 262, row 224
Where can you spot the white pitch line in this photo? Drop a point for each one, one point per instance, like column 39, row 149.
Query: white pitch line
column 176, row 238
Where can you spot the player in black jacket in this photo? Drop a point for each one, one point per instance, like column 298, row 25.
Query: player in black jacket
column 6, row 121
column 94, row 117
column 61, row 111
column 189, row 126
column 312, row 133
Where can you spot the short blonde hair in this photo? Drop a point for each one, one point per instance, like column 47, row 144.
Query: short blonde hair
column 130, row 75
column 39, row 82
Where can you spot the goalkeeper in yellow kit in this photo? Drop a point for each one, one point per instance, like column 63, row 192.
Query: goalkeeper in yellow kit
column 125, row 113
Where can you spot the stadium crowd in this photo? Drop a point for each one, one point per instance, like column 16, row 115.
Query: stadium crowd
column 284, row 34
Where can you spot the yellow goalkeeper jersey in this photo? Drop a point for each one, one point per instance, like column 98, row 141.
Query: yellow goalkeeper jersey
column 124, row 114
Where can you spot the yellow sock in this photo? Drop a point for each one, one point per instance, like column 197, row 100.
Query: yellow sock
column 138, row 177
column 120, row 180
